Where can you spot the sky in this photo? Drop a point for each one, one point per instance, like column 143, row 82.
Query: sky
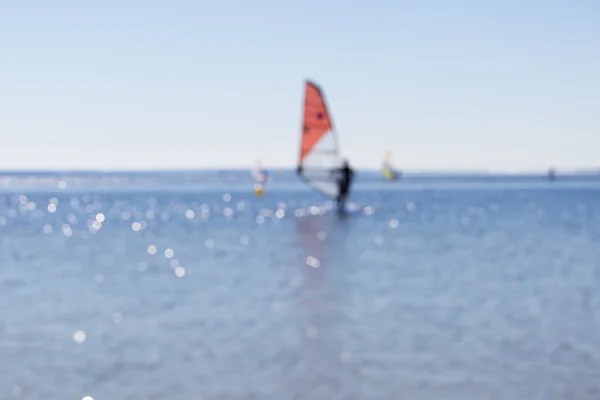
column 508, row 85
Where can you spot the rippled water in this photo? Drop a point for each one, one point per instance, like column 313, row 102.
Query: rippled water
column 420, row 292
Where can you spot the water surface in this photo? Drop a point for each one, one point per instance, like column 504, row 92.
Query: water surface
column 428, row 289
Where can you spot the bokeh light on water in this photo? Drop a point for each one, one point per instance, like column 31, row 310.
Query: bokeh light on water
column 211, row 292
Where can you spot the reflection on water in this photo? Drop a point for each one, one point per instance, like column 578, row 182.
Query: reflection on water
column 320, row 300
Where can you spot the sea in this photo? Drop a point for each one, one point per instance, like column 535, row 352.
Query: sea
column 187, row 285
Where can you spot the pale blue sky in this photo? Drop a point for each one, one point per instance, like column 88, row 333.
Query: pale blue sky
column 503, row 85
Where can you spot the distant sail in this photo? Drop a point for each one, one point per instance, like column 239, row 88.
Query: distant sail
column 387, row 168
column 258, row 173
column 319, row 158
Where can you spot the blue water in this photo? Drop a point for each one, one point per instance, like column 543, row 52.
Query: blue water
column 187, row 286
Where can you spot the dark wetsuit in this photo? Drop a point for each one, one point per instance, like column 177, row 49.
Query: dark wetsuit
column 345, row 181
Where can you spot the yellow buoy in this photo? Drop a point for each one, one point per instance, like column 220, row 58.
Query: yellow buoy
column 258, row 190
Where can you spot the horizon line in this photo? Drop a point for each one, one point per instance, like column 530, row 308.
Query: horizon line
column 416, row 171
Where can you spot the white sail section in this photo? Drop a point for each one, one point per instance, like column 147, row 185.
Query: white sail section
column 320, row 167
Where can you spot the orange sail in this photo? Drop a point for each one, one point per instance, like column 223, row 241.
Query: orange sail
column 319, row 160
column 317, row 122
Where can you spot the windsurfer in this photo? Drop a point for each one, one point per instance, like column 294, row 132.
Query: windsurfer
column 344, row 182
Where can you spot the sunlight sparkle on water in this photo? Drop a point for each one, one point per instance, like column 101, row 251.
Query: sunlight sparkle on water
column 180, row 272
column 313, row 262
column 265, row 212
column 136, row 226
column 204, row 211
column 48, row 228
column 394, row 223
column 117, row 318
column 226, row 197
column 87, row 398
column 66, row 230
column 52, row 204
column 190, row 214
column 100, row 217
column 79, row 337
column 151, row 249
column 169, row 253
column 95, row 227
column 72, row 218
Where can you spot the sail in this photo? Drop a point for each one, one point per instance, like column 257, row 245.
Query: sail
column 319, row 158
column 258, row 173
column 387, row 168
